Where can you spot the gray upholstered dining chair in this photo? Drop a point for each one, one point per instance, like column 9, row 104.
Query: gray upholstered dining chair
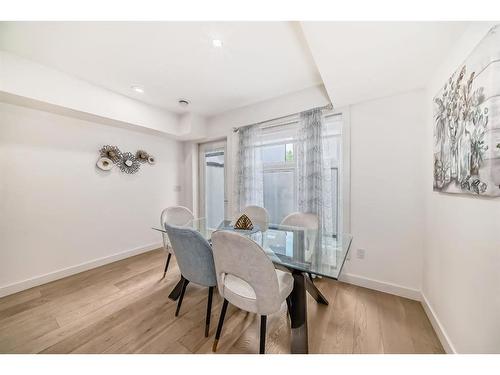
column 257, row 215
column 246, row 277
column 174, row 215
column 196, row 263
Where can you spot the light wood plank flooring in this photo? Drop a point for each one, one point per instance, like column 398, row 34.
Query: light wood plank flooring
column 123, row 308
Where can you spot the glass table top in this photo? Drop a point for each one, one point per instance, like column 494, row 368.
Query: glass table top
column 292, row 247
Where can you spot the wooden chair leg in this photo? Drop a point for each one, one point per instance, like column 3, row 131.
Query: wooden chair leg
column 263, row 324
column 219, row 326
column 209, row 310
column 166, row 265
column 179, row 302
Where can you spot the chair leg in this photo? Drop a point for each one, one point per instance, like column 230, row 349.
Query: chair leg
column 179, row 302
column 263, row 324
column 219, row 326
column 289, row 305
column 209, row 310
column 166, row 265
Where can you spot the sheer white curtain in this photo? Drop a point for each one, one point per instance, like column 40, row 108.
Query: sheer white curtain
column 310, row 162
column 313, row 180
column 249, row 184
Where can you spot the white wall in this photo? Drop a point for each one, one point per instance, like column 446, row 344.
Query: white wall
column 386, row 193
column 461, row 273
column 191, row 127
column 58, row 213
column 189, row 187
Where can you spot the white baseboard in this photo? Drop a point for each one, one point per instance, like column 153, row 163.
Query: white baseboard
column 438, row 327
column 59, row 274
column 381, row 286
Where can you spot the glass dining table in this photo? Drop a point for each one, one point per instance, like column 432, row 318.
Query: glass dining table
column 304, row 252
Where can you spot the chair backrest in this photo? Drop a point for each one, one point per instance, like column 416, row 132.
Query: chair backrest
column 258, row 215
column 305, row 220
column 241, row 257
column 194, row 255
column 174, row 215
column 300, row 219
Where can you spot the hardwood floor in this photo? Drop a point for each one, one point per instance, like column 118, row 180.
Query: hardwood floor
column 123, row 308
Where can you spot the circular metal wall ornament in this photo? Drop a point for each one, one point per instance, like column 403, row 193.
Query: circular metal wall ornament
column 105, row 164
column 126, row 161
column 129, row 163
column 111, row 152
column 142, row 156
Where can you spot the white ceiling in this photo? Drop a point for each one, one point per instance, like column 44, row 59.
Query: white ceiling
column 360, row 61
column 173, row 60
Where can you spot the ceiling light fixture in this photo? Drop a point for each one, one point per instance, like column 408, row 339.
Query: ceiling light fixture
column 217, row 43
column 183, row 102
column 138, row 89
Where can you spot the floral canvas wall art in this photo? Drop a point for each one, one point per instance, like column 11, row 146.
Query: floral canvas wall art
column 467, row 124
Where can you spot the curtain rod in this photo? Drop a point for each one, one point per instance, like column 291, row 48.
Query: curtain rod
column 328, row 106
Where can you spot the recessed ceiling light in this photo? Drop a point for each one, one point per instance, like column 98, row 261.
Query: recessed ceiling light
column 217, row 43
column 183, row 102
column 138, row 89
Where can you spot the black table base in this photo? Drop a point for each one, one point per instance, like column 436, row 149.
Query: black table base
column 298, row 310
column 298, row 314
column 314, row 292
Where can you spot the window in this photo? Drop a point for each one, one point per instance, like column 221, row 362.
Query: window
column 279, row 165
column 212, row 177
column 278, row 160
column 214, row 185
column 278, row 153
column 279, row 193
column 332, row 153
column 279, row 179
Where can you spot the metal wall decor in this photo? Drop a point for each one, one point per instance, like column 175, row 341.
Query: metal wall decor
column 127, row 162
column 111, row 152
column 142, row 156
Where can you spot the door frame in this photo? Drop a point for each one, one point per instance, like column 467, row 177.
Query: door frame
column 202, row 149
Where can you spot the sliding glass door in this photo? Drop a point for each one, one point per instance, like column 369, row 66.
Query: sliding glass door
column 212, row 194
